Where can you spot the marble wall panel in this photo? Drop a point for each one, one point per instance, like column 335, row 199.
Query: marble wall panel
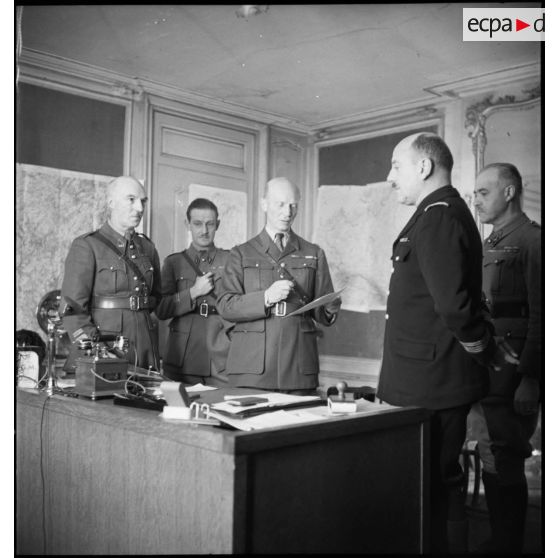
column 53, row 207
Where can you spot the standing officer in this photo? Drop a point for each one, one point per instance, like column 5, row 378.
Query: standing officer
column 438, row 341
column 265, row 279
column 197, row 345
column 508, row 414
column 112, row 279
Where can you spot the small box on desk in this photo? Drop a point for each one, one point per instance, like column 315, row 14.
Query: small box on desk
column 100, row 377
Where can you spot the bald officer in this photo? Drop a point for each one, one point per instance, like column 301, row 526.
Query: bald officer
column 438, row 339
column 265, row 279
column 112, row 278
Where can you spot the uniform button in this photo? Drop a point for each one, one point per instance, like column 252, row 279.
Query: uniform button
column 392, row 269
column 132, row 246
column 396, row 258
column 135, row 278
column 387, row 293
column 137, row 288
column 387, row 316
column 257, row 265
column 133, row 256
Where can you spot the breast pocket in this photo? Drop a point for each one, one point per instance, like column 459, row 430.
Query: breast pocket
column 258, row 274
column 111, row 277
column 304, row 272
column 501, row 272
column 146, row 268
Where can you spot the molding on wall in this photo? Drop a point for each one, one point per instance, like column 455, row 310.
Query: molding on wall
column 486, row 82
column 59, row 72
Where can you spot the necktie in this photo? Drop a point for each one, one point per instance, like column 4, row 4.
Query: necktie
column 279, row 241
column 128, row 237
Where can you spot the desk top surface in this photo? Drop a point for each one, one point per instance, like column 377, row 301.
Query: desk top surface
column 220, row 439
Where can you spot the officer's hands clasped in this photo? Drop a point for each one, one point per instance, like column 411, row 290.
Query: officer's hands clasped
column 204, row 285
column 278, row 291
column 504, row 355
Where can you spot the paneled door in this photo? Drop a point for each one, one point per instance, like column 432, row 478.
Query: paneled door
column 197, row 157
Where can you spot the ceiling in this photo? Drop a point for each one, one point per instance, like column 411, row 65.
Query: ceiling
column 309, row 63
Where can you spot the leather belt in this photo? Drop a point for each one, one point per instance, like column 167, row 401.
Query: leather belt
column 206, row 309
column 135, row 303
column 280, row 309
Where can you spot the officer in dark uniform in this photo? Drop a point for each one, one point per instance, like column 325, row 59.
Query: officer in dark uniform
column 507, row 417
column 112, row 279
column 265, row 279
column 438, row 340
column 198, row 344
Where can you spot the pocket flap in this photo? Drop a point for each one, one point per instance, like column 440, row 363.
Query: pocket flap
column 256, row 262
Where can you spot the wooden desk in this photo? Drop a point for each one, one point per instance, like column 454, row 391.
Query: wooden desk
column 96, row 478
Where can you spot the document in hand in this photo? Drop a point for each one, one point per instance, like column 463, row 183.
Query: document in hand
column 320, row 301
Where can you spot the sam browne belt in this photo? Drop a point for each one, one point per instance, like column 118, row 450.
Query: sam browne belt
column 134, row 302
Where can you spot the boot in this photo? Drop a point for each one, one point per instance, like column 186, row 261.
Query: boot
column 457, row 527
column 513, row 499
column 458, row 534
column 507, row 508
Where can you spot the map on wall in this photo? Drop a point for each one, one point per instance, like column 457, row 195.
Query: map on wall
column 231, row 205
column 356, row 227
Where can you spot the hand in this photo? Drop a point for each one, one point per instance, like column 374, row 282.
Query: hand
column 504, row 355
column 333, row 307
column 202, row 286
column 278, row 291
column 527, row 394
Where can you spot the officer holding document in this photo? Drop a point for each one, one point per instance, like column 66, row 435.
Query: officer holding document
column 266, row 279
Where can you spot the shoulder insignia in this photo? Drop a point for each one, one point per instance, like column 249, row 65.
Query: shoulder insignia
column 144, row 236
column 436, row 203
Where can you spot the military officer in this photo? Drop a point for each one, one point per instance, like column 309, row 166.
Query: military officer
column 112, row 279
column 265, row 279
column 438, row 341
column 507, row 416
column 198, row 344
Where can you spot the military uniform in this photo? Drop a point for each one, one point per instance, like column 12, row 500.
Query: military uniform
column 269, row 351
column 97, row 290
column 437, row 336
column 438, row 341
column 197, row 345
column 512, row 283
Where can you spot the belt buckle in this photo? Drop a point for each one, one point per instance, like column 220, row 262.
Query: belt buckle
column 280, row 309
column 134, row 303
column 204, row 309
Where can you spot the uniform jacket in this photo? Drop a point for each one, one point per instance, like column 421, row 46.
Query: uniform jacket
column 93, row 269
column 193, row 340
column 512, row 284
column 268, row 351
column 435, row 312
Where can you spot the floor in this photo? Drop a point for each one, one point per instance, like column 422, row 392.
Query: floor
column 479, row 528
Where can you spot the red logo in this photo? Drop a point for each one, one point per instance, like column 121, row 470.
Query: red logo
column 519, row 25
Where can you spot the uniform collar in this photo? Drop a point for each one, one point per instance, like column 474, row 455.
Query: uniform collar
column 195, row 254
column 271, row 233
column 497, row 235
column 292, row 243
column 114, row 236
column 440, row 194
